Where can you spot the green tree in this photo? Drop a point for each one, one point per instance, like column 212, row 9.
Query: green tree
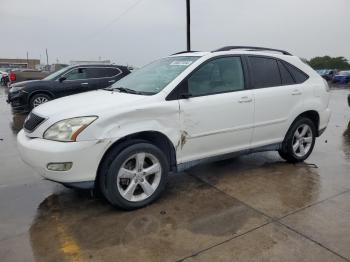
column 327, row 62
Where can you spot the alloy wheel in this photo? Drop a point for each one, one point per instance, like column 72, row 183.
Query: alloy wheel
column 302, row 140
column 139, row 177
column 39, row 100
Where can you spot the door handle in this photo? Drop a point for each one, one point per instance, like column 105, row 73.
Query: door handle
column 245, row 99
column 84, row 84
column 111, row 81
column 296, row 92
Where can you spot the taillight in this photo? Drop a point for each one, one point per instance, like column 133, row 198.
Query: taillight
column 12, row 76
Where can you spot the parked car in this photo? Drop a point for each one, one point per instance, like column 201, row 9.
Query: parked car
column 327, row 74
column 20, row 75
column 67, row 81
column 4, row 78
column 343, row 77
column 173, row 114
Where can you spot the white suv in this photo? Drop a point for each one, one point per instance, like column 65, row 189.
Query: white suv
column 174, row 113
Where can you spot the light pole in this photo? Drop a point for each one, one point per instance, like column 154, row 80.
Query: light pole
column 188, row 23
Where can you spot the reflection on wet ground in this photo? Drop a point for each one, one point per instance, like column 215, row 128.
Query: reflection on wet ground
column 255, row 207
column 17, row 122
column 189, row 217
column 346, row 142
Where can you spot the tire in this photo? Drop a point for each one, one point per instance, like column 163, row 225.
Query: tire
column 136, row 186
column 302, row 139
column 38, row 99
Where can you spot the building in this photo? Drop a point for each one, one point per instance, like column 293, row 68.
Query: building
column 56, row 67
column 102, row 62
column 19, row 63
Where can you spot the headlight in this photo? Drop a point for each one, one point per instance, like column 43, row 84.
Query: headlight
column 16, row 88
column 67, row 130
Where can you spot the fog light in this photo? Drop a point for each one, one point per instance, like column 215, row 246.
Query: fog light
column 59, row 166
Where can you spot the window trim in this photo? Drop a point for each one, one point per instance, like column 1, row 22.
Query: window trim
column 251, row 75
column 92, row 78
column 290, row 74
column 175, row 93
column 285, row 63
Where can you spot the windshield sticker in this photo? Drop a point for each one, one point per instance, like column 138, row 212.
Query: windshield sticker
column 181, row 63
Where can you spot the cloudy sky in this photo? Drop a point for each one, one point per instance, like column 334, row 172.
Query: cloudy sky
column 138, row 31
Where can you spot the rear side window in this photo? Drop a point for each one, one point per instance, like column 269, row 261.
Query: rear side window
column 265, row 72
column 100, row 72
column 286, row 77
column 298, row 75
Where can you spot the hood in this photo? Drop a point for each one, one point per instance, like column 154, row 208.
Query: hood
column 25, row 83
column 89, row 103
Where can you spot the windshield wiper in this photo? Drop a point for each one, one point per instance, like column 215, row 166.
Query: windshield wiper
column 128, row 90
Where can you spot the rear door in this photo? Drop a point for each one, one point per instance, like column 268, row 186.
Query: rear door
column 277, row 96
column 102, row 76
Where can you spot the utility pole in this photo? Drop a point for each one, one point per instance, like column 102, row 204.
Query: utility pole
column 27, row 60
column 47, row 58
column 188, row 23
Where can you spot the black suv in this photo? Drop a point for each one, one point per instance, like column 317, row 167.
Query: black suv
column 26, row 95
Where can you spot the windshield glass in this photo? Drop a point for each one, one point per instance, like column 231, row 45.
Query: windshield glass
column 154, row 77
column 322, row 71
column 54, row 75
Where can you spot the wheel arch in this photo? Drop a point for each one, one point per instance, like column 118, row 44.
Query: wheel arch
column 313, row 115
column 154, row 137
column 46, row 92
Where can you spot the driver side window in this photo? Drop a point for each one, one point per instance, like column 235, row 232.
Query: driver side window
column 77, row 74
column 218, row 76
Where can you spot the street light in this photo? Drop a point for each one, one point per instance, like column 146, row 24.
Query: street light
column 188, row 15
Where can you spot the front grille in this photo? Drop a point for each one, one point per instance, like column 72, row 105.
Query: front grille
column 32, row 122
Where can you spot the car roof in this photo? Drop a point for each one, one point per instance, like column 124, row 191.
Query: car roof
column 97, row 65
column 232, row 49
column 235, row 52
column 278, row 54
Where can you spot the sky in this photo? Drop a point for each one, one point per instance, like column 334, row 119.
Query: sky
column 135, row 32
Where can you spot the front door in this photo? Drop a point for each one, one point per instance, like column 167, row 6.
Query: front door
column 217, row 118
column 75, row 81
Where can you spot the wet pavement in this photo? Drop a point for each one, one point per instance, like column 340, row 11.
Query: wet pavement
column 255, row 208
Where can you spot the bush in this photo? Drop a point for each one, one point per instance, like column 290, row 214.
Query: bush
column 327, row 62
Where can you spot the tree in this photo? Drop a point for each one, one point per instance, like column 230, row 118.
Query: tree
column 327, row 62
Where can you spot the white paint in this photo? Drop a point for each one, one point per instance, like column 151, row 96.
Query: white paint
column 208, row 125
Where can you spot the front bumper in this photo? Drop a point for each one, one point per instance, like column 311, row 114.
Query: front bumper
column 85, row 156
column 18, row 100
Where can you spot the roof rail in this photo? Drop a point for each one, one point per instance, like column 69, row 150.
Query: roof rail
column 183, row 52
column 251, row 48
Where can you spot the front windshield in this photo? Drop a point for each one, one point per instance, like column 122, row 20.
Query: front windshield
column 54, row 75
column 154, row 77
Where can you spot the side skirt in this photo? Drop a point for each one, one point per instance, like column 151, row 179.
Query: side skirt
column 187, row 165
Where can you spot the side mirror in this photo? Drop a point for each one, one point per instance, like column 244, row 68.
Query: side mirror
column 185, row 95
column 61, row 79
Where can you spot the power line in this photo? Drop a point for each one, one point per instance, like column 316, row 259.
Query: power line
column 125, row 12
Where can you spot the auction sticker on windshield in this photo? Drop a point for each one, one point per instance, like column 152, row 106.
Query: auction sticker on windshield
column 181, row 63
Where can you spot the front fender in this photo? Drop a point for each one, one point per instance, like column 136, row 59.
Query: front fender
column 159, row 117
